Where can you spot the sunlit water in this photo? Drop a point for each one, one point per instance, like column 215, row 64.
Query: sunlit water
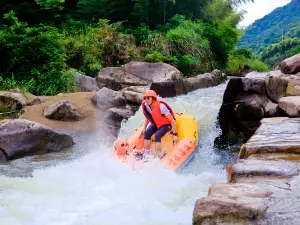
column 72, row 188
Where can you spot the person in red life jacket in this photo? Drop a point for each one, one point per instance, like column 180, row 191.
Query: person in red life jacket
column 161, row 118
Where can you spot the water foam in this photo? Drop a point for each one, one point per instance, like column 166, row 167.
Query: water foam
column 98, row 189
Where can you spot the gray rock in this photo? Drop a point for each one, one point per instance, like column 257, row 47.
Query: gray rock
column 106, row 98
column 259, row 168
column 114, row 116
column 86, row 83
column 19, row 138
column 140, row 74
column 203, row 80
column 62, row 110
column 226, row 210
column 134, row 94
column 275, row 135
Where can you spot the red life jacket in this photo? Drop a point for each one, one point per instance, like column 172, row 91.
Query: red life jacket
column 157, row 119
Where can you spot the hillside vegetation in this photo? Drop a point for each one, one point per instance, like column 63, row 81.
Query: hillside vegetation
column 280, row 24
column 42, row 42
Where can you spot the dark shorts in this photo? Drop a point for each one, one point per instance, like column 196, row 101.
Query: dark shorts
column 158, row 133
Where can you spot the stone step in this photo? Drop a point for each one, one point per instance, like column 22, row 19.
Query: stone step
column 267, row 169
column 225, row 210
column 276, row 156
column 275, row 135
column 237, row 190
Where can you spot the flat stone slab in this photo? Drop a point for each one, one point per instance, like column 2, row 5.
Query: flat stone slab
column 238, row 190
column 276, row 156
column 262, row 168
column 275, row 135
column 225, row 210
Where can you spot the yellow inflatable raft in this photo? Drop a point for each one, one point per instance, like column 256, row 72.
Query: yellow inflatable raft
column 178, row 154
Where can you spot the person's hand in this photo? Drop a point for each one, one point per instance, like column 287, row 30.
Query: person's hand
column 175, row 139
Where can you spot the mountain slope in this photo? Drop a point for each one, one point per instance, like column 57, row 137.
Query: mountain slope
column 272, row 27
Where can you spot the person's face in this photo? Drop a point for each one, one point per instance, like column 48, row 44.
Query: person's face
column 148, row 100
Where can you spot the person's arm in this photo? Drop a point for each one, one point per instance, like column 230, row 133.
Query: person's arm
column 173, row 123
column 146, row 124
column 165, row 111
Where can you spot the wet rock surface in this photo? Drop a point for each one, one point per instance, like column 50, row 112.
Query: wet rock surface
column 275, row 135
column 258, row 95
column 267, row 174
column 224, row 209
column 19, row 138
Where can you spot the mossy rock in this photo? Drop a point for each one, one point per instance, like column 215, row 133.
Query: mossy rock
column 11, row 114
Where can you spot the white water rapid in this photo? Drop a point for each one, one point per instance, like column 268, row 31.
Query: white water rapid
column 87, row 186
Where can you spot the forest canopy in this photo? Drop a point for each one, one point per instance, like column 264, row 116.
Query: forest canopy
column 43, row 42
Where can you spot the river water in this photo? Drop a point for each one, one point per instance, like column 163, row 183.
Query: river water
column 85, row 185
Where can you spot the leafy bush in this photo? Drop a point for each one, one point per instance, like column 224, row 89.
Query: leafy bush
column 241, row 57
column 187, row 39
column 294, row 51
column 158, row 57
column 33, row 53
column 189, row 65
column 235, row 64
column 258, row 65
column 11, row 83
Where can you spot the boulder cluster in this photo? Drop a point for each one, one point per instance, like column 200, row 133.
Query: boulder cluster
column 115, row 94
column 263, row 184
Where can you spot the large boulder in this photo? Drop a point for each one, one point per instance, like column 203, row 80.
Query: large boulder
column 19, row 138
column 244, row 104
column 204, row 80
column 106, row 98
column 62, row 110
column 134, row 94
column 141, row 74
column 275, row 83
column 248, row 100
column 86, row 83
column 290, row 65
